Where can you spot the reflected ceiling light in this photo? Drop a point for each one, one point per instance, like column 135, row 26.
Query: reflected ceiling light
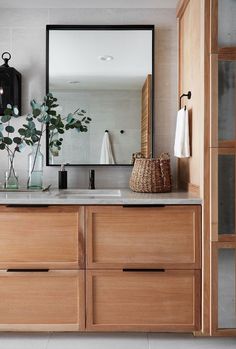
column 73, row 82
column 106, row 58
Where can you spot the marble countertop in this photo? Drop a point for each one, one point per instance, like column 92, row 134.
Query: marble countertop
column 127, row 197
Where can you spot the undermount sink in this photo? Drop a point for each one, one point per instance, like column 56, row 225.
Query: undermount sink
column 90, row 192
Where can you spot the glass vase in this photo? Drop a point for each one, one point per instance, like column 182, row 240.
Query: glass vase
column 35, row 168
column 11, row 178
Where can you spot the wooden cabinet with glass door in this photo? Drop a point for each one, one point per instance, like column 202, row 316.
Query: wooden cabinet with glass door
column 223, row 166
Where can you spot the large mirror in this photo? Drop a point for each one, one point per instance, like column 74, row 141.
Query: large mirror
column 107, row 73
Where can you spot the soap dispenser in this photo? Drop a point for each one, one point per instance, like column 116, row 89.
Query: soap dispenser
column 62, row 178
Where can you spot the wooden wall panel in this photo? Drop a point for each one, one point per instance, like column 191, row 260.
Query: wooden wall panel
column 191, row 78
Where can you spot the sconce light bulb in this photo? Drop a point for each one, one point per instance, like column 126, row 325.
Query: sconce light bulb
column 1, row 91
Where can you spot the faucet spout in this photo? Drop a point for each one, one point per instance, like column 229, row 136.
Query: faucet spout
column 92, row 179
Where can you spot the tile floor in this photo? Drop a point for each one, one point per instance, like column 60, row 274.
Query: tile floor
column 112, row 341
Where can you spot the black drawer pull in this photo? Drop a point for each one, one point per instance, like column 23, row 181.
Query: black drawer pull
column 27, row 270
column 145, row 270
column 137, row 206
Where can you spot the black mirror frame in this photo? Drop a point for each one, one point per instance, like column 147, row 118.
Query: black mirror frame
column 101, row 27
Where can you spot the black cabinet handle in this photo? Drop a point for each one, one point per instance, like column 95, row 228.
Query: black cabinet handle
column 144, row 270
column 27, row 270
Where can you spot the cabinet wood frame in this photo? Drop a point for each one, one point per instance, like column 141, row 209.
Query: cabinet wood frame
column 174, row 327
column 78, row 325
column 75, row 254
column 194, row 210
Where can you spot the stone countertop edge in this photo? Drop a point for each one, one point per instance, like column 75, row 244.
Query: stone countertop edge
column 127, row 197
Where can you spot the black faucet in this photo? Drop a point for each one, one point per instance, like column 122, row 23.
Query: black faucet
column 92, row 179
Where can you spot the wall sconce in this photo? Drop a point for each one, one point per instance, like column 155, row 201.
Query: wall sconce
column 10, row 85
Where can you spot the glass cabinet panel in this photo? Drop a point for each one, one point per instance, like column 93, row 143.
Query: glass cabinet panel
column 226, row 194
column 227, row 100
column 226, row 23
column 226, row 288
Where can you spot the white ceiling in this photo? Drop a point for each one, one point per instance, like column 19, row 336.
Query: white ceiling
column 88, row 3
column 74, row 56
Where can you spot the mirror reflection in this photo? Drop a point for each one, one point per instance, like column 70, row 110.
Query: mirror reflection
column 108, row 74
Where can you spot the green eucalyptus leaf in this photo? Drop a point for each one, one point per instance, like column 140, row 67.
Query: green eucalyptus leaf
column 61, row 131
column 7, row 140
column 35, row 138
column 2, row 146
column 7, row 111
column 22, row 131
column 36, row 112
column 52, row 112
column 5, row 118
column 10, row 129
column 31, row 125
column 17, row 140
column 29, row 142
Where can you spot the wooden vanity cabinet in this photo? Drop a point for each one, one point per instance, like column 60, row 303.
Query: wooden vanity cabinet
column 141, row 271
column 143, row 268
column 42, row 277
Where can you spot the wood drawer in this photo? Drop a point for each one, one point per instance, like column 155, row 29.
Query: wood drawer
column 149, row 237
column 143, row 301
column 42, row 301
column 48, row 237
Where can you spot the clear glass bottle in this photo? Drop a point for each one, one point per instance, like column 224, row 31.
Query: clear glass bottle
column 11, row 180
column 35, row 168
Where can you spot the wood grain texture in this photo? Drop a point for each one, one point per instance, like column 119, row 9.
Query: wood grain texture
column 213, row 18
column 168, row 237
column 146, row 301
column 214, row 195
column 146, row 117
column 191, row 78
column 46, row 237
column 180, row 8
column 41, row 300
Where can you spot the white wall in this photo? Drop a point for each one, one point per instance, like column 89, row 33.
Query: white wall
column 112, row 110
column 22, row 32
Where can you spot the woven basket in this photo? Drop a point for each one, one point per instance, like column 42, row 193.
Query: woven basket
column 151, row 175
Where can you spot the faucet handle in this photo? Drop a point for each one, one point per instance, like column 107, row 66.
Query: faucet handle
column 92, row 179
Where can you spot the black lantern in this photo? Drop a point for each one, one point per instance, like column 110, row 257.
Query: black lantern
column 10, row 85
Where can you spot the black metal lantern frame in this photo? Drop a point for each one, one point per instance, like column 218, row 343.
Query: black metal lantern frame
column 10, row 85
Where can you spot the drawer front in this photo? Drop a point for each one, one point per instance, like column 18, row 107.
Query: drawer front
column 121, row 237
column 37, row 301
column 51, row 237
column 143, row 301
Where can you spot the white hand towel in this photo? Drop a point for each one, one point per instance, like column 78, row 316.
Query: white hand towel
column 181, row 147
column 106, row 157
